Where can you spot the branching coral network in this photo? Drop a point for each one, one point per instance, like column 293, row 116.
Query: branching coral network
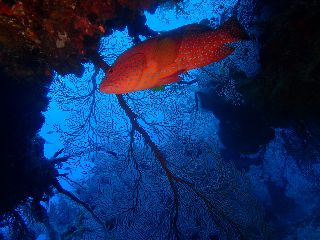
column 174, row 180
column 225, row 188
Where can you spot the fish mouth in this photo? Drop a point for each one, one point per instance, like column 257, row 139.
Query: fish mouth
column 105, row 87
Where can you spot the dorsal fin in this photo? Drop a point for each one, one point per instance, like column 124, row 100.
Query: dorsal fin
column 179, row 32
column 232, row 30
column 196, row 27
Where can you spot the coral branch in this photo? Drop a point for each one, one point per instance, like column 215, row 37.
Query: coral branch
column 171, row 178
column 218, row 213
column 80, row 202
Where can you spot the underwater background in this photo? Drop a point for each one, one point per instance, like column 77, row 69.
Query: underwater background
column 229, row 152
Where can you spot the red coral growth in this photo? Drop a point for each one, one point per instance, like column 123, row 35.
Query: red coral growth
column 137, row 4
column 60, row 33
column 104, row 9
column 15, row 10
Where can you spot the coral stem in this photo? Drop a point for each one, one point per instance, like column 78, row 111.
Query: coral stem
column 80, row 202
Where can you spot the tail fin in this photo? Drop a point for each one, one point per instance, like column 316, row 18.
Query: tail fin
column 232, row 31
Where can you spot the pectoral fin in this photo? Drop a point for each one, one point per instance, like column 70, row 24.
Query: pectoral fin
column 159, row 88
column 169, row 79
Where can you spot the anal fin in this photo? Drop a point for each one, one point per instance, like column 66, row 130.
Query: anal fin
column 169, row 79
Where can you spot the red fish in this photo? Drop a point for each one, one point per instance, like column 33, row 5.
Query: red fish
column 160, row 60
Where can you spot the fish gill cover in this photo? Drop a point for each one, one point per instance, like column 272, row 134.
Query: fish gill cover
column 192, row 161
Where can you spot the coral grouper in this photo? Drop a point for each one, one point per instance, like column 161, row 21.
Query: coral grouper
column 159, row 60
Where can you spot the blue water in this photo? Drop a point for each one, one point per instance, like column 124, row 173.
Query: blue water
column 200, row 193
